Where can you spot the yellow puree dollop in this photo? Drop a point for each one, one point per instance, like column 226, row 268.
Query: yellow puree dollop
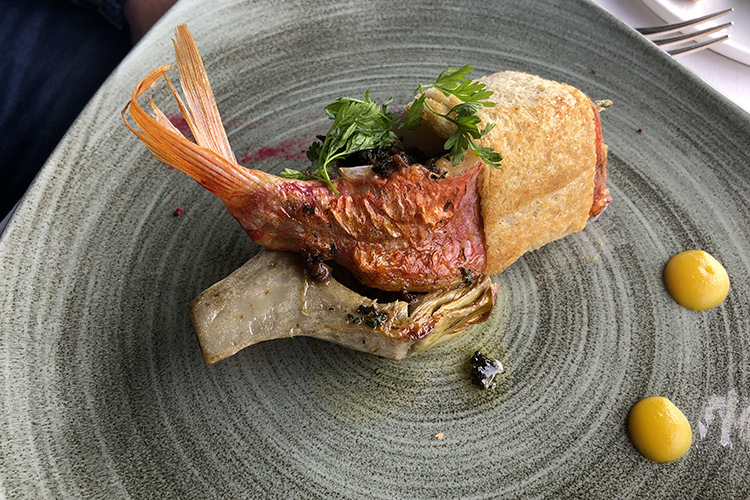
column 696, row 280
column 659, row 430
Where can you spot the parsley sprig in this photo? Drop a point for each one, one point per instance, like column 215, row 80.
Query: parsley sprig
column 455, row 81
column 357, row 125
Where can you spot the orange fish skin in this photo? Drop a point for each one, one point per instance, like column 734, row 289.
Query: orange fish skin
column 409, row 231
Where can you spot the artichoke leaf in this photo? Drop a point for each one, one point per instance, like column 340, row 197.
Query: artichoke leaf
column 270, row 297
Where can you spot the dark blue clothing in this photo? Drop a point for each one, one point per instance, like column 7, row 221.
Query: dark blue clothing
column 112, row 10
column 54, row 55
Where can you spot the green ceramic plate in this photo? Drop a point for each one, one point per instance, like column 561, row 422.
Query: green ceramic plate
column 104, row 392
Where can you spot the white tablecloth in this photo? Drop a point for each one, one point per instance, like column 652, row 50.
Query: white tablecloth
column 729, row 77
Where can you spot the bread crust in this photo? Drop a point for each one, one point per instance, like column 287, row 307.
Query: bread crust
column 546, row 132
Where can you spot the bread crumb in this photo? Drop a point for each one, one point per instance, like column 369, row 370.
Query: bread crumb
column 439, row 435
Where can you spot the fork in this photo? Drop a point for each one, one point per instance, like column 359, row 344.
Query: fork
column 687, row 37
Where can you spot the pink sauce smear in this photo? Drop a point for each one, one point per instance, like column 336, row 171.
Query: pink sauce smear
column 293, row 149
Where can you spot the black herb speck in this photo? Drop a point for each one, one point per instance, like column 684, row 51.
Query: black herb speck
column 365, row 309
column 376, row 319
column 432, row 167
column 355, row 320
column 467, row 275
column 484, row 370
column 370, row 316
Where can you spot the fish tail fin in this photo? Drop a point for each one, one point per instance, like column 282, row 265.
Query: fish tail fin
column 210, row 160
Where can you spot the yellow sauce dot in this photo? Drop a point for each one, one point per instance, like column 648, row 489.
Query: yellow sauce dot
column 659, row 430
column 696, row 280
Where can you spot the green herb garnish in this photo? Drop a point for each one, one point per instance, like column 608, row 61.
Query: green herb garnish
column 454, row 81
column 357, row 125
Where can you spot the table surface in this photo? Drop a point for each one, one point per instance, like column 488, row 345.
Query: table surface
column 728, row 76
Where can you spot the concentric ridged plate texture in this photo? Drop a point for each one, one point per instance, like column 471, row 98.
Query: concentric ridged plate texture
column 104, row 392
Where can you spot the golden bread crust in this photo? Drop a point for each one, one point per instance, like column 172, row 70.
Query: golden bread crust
column 546, row 133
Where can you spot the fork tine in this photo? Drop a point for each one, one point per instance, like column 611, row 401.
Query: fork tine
column 698, row 46
column 666, row 42
column 671, row 28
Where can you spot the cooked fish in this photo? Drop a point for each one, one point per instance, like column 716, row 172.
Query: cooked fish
column 411, row 230
column 439, row 229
